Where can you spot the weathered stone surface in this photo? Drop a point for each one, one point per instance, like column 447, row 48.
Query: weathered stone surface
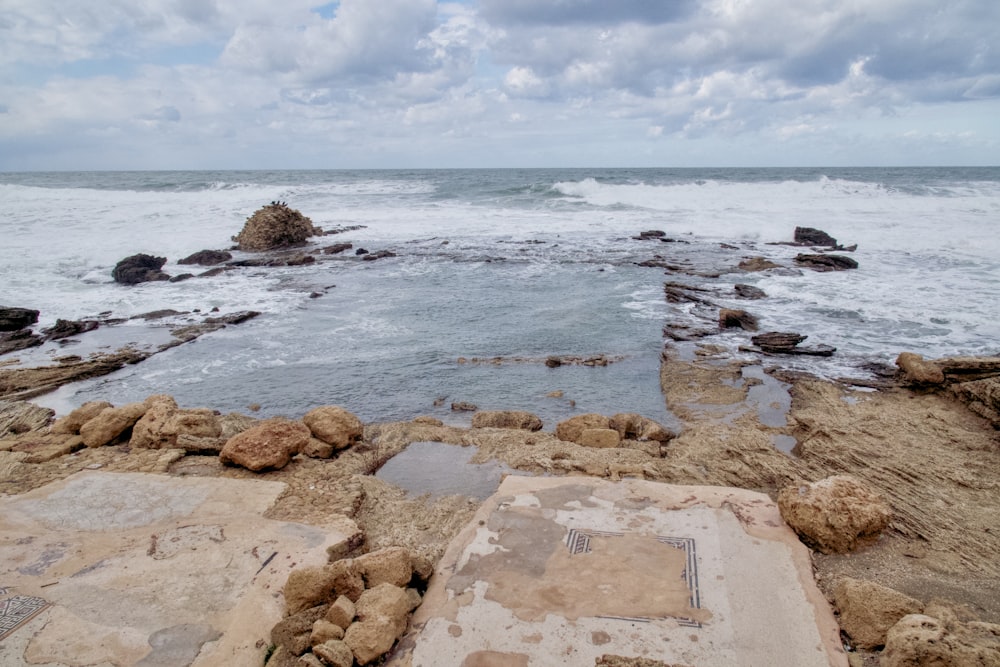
column 781, row 342
column 381, row 254
column 207, row 258
column 570, row 429
column 18, row 417
column 341, row 612
column 918, row 371
column 166, row 426
column 382, row 617
column 111, row 423
column 234, row 423
column 334, row 653
column 835, row 515
column 739, row 319
column 386, row 600
column 462, row 406
column 924, row 641
column 274, row 226
column 307, row 587
column 324, row 631
column 868, row 610
column 392, row 565
column 282, row 657
column 41, row 446
column 963, row 369
column 22, row 339
column 982, row 397
column 270, row 444
column 72, row 422
column 295, row 631
column 632, row 426
column 599, row 437
column 428, row 421
column 66, row 328
column 309, row 660
column 749, row 291
column 757, row 264
column 317, row 449
column 826, row 262
column 337, row 248
column 139, row 268
column 12, row 319
column 334, row 425
column 513, row 419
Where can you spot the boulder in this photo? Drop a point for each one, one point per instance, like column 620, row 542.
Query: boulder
column 295, row 632
column 341, row 612
column 816, row 237
column 166, row 426
column 334, row 425
column 270, row 444
column 632, row 426
column 66, row 328
column 12, row 319
column 744, row 291
column 868, row 610
column 72, row 422
column 18, row 417
column 317, row 449
column 383, row 612
column 111, row 423
column 835, row 515
column 207, row 258
column 918, row 371
column 392, row 565
column 778, row 342
column 737, row 319
column 826, row 262
column 920, row 640
column 334, row 653
column 274, row 226
column 757, row 264
column 427, row 420
column 512, row 419
column 602, row 438
column 307, row 587
column 570, row 429
column 139, row 268
column 337, row 248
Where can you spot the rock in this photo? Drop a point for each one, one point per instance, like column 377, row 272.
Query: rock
column 836, row 514
column 347, row 579
column 66, row 328
column 282, row 657
column 111, row 423
column 309, row 660
column 300, row 260
column 166, row 426
column 18, row 417
column 235, row 423
column 920, row 640
column 275, row 226
column 744, row 291
column 211, row 273
column 317, row 449
column 513, row 419
column 307, row 587
column 337, row 248
column 341, row 612
column 649, row 235
column 868, row 610
column 570, row 429
column 41, row 446
column 982, row 397
column 22, row 339
column 462, row 406
column 739, row 319
column 324, row 631
column 777, row 342
column 631, row 426
column 816, row 237
column 826, row 262
column 139, row 268
column 381, row 254
column 334, row 653
column 757, row 264
column 382, row 616
column 270, row 444
column 428, row 421
column 334, row 425
column 12, row 319
column 599, row 437
column 72, row 422
column 360, row 251
column 962, row 369
column 918, row 371
column 392, row 565
column 207, row 258
column 295, row 632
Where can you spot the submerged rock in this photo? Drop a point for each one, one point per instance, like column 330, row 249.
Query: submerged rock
column 139, row 268
column 207, row 258
column 757, row 264
column 66, row 328
column 826, row 262
column 816, row 237
column 749, row 292
column 275, row 226
column 22, row 339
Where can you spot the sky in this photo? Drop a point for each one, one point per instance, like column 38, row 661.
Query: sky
column 302, row 84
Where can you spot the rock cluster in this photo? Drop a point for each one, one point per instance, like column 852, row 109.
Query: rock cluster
column 275, row 226
column 837, row 514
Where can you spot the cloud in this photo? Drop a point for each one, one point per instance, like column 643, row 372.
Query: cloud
column 572, row 12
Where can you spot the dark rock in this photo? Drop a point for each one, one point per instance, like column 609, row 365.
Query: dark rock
column 656, row 263
column 727, row 246
column 337, row 248
column 680, row 293
column 139, row 268
column 738, row 319
column 381, row 254
column 238, row 317
column 301, row 260
column 207, row 258
column 12, row 319
column 826, row 262
column 19, row 340
column 182, row 277
column 670, row 240
column 775, row 342
column 461, row 406
column 67, row 328
column 342, row 229
column 649, row 235
column 816, row 237
column 213, row 272
column 275, row 226
column 553, row 362
column 158, row 314
column 260, row 261
column 749, row 292
column 360, row 251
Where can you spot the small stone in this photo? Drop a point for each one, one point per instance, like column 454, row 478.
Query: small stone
column 317, row 449
column 334, row 654
column 341, row 612
column 309, row 660
column 295, row 631
column 324, row 631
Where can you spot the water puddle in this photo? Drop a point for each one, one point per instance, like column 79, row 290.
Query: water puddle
column 770, row 397
column 784, row 443
column 440, row 469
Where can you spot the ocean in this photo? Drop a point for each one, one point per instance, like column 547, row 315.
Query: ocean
column 518, row 264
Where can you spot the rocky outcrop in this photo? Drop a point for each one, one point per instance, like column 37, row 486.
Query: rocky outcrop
column 139, row 268
column 918, row 371
column 779, row 342
column 207, row 258
column 737, row 319
column 381, row 254
column 868, row 610
column 74, row 421
column 18, row 417
column 166, row 426
column 110, row 423
column 816, row 237
column 632, row 426
column 757, row 264
column 334, row 426
column 66, row 328
column 515, row 419
column 650, row 235
column 982, row 397
column 12, row 319
column 337, row 248
column 973, row 380
column 570, row 430
column 22, row 339
column 744, row 291
column 464, row 406
column 271, row 444
column 275, row 226
column 937, row 637
column 835, row 515
column 826, row 262
column 601, row 438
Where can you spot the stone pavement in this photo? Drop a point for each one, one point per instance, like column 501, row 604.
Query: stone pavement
column 560, row 571
column 138, row 569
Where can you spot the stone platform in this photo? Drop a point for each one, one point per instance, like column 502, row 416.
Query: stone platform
column 561, row 571
column 137, row 569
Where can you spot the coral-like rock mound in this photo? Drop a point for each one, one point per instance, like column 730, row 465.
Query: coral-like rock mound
column 835, row 515
column 275, row 226
column 270, row 444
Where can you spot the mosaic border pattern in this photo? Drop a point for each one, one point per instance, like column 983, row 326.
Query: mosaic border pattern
column 18, row 610
column 578, row 542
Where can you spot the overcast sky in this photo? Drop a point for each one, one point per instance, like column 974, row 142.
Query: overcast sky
column 189, row 84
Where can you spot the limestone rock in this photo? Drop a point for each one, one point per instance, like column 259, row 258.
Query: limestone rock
column 383, row 612
column 919, row 371
column 21, row 339
column 139, row 268
column 13, row 319
column 41, row 446
column 570, row 429
column 324, row 631
column 65, row 328
column 744, row 291
column 347, row 579
column 317, row 449
column 307, row 587
column 868, row 610
column 234, row 423
column 18, row 417
column 295, row 631
column 513, row 419
column 309, row 660
column 342, row 612
column 923, row 641
column 428, row 421
column 835, row 515
column 334, row 425
column 282, row 657
column 166, row 426
column 599, row 437
column 270, row 444
column 632, row 426
column 392, row 565
column 982, row 397
column 274, row 226
column 334, row 654
column 111, row 423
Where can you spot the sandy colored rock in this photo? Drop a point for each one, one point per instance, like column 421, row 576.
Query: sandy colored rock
column 72, row 422
column 757, row 264
column 166, row 426
column 383, row 613
column 294, row 632
column 428, row 421
column 111, row 423
column 324, row 631
column 570, row 429
column 924, row 641
column 270, row 444
column 334, row 653
column 506, row 419
column 392, row 565
column 835, row 515
column 309, row 660
column 334, row 425
column 599, row 437
column 386, row 600
column 41, row 447
column 342, row 612
column 868, row 610
column 307, row 587
column 274, row 226
column 982, row 397
column 317, row 449
column 18, row 417
column 919, row 371
column 632, row 426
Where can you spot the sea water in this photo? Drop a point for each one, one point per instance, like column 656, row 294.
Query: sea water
column 518, row 264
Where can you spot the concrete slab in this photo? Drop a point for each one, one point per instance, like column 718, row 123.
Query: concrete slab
column 560, row 571
column 138, row 569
